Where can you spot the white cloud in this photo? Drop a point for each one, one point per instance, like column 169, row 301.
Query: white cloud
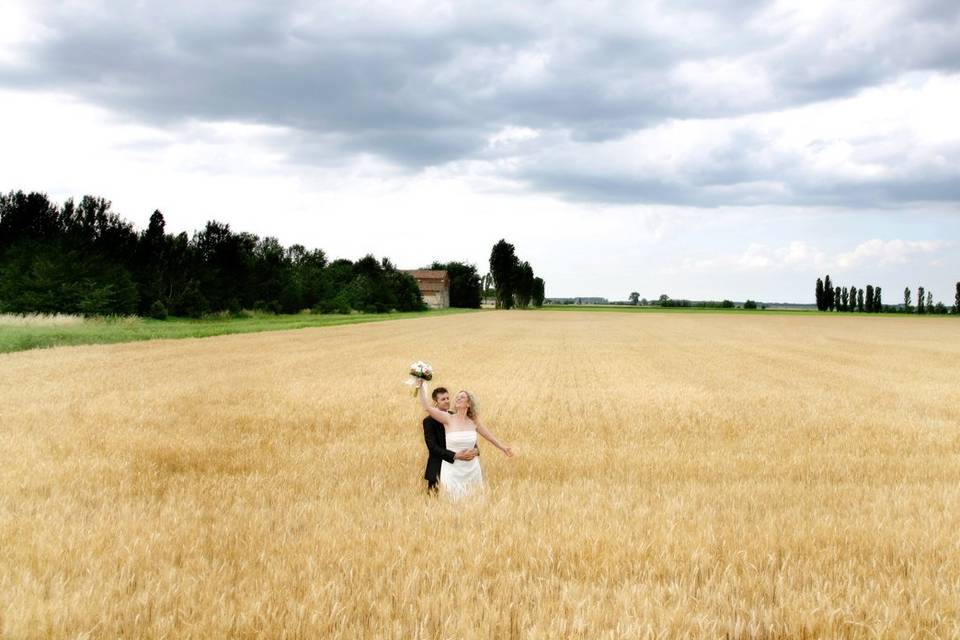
column 509, row 135
column 878, row 252
column 801, row 256
column 798, row 255
column 17, row 29
column 895, row 143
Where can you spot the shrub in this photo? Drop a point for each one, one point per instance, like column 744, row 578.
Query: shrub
column 325, row 306
column 272, row 306
column 158, row 311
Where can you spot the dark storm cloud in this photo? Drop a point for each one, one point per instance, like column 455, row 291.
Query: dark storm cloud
column 428, row 87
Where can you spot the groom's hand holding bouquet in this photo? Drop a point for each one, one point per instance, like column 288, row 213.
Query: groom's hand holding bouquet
column 419, row 372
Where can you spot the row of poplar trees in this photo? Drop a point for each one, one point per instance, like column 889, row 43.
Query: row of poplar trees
column 925, row 302
column 515, row 283
column 830, row 298
column 870, row 300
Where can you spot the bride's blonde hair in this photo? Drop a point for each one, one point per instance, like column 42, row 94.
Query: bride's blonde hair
column 473, row 410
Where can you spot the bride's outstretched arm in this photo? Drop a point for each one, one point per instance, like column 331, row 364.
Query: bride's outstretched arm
column 440, row 416
column 483, row 431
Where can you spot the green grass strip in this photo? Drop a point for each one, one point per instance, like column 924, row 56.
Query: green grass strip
column 14, row 337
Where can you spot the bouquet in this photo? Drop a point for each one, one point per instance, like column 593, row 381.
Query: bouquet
column 419, row 371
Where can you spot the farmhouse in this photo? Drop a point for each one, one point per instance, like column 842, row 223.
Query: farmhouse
column 434, row 287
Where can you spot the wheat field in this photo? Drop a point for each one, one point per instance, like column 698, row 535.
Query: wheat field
column 676, row 476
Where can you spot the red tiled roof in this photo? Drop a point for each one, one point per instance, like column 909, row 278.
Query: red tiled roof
column 429, row 274
column 430, row 280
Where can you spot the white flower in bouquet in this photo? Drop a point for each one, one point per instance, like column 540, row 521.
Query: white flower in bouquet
column 419, row 370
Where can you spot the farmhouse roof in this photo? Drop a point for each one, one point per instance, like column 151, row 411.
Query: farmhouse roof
column 431, row 280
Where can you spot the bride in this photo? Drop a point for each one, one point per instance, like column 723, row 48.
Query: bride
column 461, row 429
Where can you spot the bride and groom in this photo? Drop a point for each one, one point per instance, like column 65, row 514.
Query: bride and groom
column 451, row 439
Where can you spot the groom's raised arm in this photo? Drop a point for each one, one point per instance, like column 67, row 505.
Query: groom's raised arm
column 433, row 442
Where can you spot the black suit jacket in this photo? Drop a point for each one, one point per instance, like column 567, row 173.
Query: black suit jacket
column 436, row 440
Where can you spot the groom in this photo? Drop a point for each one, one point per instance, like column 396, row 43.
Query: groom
column 436, row 440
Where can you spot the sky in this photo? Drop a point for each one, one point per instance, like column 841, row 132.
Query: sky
column 700, row 149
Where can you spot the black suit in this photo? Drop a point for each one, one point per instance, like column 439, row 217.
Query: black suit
column 436, row 440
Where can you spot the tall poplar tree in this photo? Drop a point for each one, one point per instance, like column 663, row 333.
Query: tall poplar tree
column 524, row 284
column 538, row 291
column 503, row 267
column 820, row 294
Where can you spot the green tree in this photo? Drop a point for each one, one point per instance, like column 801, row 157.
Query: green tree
column 906, row 299
column 920, row 306
column 465, row 283
column 486, row 286
column 75, row 259
column 869, row 299
column 956, row 300
column 829, row 293
column 860, row 305
column 47, row 277
column 877, row 300
column 306, row 286
column 634, row 297
column 523, row 280
column 27, row 217
column 150, row 263
column 271, row 277
column 820, row 295
column 538, row 292
column 503, row 268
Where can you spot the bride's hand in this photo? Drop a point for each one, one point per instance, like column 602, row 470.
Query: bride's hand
column 508, row 451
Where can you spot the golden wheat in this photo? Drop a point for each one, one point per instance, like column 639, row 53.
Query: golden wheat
column 678, row 476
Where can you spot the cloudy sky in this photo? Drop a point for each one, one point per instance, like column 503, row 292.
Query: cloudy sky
column 703, row 149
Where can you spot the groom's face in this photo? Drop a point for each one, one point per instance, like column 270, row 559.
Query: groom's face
column 443, row 402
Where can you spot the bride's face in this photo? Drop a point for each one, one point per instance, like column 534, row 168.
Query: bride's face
column 461, row 400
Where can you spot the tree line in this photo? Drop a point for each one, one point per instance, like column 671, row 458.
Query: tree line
column 513, row 281
column 666, row 301
column 870, row 300
column 82, row 258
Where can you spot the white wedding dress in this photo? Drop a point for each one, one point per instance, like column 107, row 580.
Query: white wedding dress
column 463, row 476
